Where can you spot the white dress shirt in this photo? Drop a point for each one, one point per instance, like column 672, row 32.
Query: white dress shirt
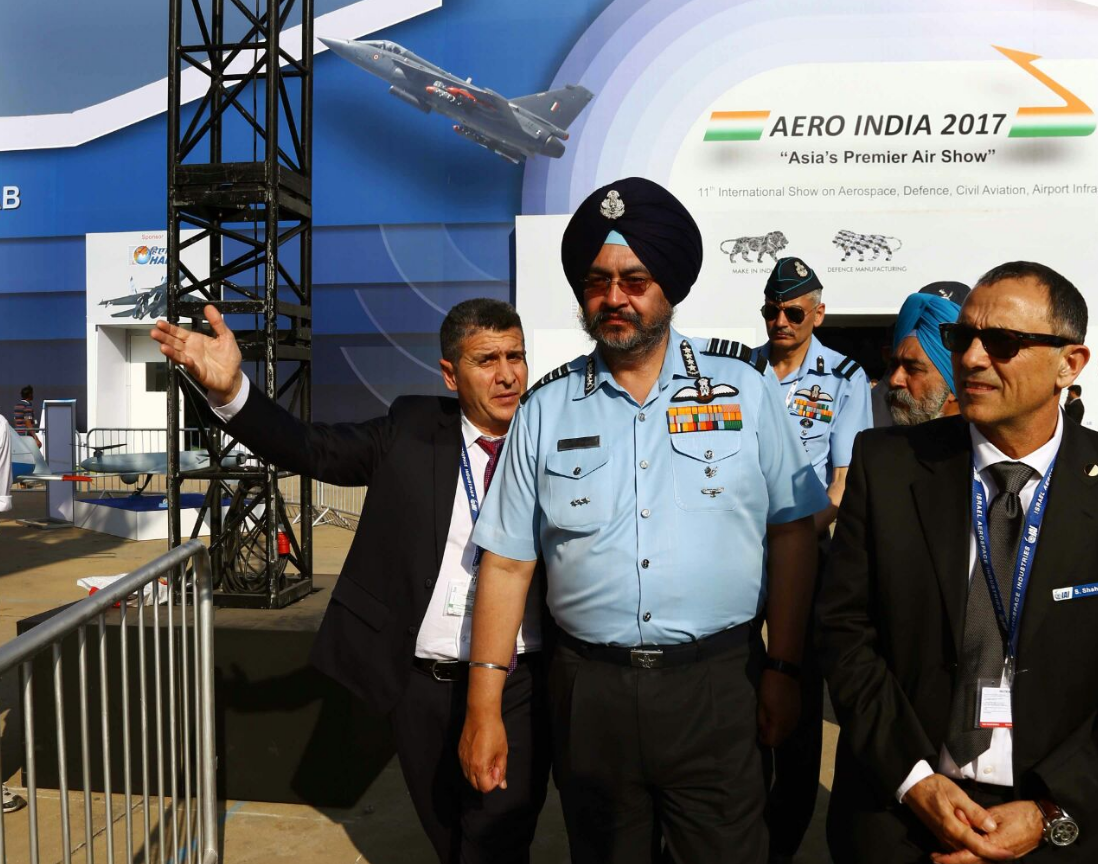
column 442, row 636
column 5, row 464
column 994, row 765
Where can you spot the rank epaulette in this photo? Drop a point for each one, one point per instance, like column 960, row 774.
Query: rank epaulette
column 735, row 350
column 555, row 375
column 846, row 368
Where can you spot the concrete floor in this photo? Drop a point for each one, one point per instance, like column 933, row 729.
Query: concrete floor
column 38, row 571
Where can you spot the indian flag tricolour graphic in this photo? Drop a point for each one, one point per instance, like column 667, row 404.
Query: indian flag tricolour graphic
column 736, row 125
column 1052, row 125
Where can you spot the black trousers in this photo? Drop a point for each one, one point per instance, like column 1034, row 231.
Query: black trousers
column 462, row 824
column 793, row 768
column 671, row 752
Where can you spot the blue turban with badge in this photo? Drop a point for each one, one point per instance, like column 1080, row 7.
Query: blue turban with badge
column 921, row 314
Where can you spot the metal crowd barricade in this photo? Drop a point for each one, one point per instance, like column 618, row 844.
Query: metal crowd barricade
column 332, row 505
column 182, row 834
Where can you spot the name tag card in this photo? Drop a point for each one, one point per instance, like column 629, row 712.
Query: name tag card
column 460, row 595
column 993, row 705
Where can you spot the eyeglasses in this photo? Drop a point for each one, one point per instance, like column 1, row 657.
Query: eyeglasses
column 635, row 285
column 795, row 314
column 999, row 342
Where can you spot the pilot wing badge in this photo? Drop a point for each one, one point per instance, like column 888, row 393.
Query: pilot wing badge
column 813, row 403
column 704, row 391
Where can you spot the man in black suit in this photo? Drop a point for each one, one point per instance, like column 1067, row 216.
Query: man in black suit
column 396, row 632
column 1073, row 406
column 957, row 631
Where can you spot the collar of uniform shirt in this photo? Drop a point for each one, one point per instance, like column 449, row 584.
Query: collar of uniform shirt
column 985, row 454
column 673, row 367
column 815, row 350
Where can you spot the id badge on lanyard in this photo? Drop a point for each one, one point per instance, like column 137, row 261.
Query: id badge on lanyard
column 993, row 696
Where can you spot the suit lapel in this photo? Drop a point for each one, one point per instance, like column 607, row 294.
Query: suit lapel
column 942, row 498
column 447, row 457
column 1063, row 549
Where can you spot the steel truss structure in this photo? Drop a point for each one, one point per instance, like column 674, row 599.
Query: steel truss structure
column 240, row 173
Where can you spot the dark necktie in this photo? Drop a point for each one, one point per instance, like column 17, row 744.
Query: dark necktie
column 493, row 446
column 982, row 649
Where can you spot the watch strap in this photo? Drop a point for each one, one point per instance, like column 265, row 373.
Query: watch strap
column 783, row 666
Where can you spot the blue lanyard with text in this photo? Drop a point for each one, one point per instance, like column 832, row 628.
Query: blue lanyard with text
column 1024, row 562
column 474, row 502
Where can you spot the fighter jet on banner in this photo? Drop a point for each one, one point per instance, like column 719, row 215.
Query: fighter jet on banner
column 512, row 128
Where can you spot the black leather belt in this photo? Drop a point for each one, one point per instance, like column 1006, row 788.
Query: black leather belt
column 659, row 656
column 452, row 670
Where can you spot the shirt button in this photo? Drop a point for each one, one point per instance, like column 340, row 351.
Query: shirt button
column 644, row 564
column 641, row 416
column 647, row 616
column 644, row 463
column 576, row 471
column 645, row 513
column 427, row 583
column 989, row 770
column 708, row 454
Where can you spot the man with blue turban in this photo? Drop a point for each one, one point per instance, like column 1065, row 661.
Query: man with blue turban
column 920, row 380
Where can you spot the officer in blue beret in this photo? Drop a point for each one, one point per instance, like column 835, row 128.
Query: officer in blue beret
column 673, row 506
column 825, row 396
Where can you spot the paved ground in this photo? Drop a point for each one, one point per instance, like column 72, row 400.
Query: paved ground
column 38, row 571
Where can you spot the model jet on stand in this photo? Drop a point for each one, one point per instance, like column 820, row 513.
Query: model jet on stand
column 511, row 128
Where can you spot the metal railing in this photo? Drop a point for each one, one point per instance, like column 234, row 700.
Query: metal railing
column 332, row 505
column 189, row 712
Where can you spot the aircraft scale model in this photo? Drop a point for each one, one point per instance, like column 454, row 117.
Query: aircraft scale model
column 29, row 464
column 534, row 125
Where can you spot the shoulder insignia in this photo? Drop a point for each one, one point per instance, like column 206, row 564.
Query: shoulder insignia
column 555, row 375
column 689, row 362
column 589, row 376
column 735, row 350
column 846, row 368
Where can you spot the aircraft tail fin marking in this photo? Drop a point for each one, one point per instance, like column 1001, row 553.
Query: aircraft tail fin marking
column 559, row 107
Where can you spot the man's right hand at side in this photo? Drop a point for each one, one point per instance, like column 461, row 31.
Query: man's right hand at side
column 213, row 362
column 954, row 818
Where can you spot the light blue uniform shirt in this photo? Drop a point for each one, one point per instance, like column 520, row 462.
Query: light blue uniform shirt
column 649, row 536
column 826, row 405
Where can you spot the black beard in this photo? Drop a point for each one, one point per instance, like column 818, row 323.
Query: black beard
column 644, row 338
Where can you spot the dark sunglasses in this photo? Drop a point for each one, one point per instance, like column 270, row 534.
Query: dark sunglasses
column 794, row 314
column 595, row 284
column 999, row 342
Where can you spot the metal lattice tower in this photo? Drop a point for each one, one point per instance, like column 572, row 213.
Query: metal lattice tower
column 240, row 174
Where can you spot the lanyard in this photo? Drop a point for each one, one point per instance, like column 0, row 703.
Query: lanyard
column 474, row 502
column 1009, row 626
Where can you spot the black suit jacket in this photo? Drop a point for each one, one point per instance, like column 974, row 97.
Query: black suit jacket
column 1074, row 409
column 410, row 460
column 891, row 620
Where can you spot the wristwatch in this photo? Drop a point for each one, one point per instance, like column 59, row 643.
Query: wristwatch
column 783, row 666
column 1060, row 829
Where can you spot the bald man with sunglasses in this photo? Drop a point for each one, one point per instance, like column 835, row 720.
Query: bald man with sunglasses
column 958, row 617
column 827, row 403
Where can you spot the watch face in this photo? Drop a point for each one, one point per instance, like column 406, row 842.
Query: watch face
column 1063, row 832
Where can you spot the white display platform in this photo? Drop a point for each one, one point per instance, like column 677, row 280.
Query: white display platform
column 134, row 524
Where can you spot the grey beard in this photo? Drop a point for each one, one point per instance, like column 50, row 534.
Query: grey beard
column 643, row 339
column 906, row 410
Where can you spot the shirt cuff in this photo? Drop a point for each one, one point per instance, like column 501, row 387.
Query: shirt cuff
column 491, row 539
column 230, row 409
column 921, row 771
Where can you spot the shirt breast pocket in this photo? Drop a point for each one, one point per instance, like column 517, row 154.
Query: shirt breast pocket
column 580, row 491
column 705, row 468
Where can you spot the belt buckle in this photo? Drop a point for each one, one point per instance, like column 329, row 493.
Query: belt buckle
column 449, row 666
column 645, row 658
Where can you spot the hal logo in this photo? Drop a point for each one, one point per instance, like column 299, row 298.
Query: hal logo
column 10, row 198
column 142, row 255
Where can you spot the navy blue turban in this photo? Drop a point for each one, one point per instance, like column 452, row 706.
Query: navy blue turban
column 921, row 314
